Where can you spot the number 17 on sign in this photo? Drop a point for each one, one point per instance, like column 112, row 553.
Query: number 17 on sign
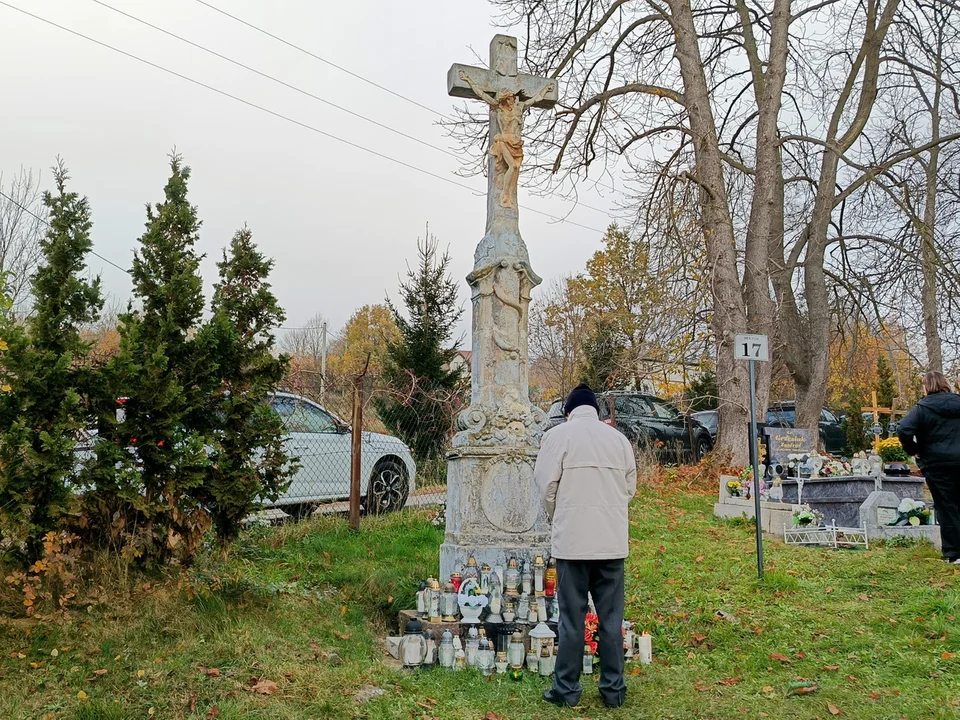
column 754, row 348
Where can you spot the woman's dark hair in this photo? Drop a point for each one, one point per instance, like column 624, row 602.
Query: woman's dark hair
column 935, row 382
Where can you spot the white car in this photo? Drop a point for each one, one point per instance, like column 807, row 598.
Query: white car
column 322, row 443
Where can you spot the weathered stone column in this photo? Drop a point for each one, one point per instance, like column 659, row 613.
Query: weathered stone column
column 493, row 506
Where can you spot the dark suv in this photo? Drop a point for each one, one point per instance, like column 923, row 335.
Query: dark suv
column 833, row 435
column 646, row 419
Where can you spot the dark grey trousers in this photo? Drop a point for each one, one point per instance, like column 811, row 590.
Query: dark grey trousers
column 944, row 484
column 604, row 580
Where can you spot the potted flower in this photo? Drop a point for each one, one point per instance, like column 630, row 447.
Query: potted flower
column 471, row 601
column 805, row 518
column 734, row 487
column 894, row 457
column 913, row 512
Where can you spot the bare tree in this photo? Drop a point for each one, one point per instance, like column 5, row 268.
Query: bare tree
column 21, row 229
column 753, row 114
column 917, row 199
column 558, row 326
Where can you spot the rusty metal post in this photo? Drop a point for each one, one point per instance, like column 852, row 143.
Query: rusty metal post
column 355, row 450
column 356, row 437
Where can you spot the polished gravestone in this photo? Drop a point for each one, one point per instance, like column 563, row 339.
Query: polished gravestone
column 839, row 498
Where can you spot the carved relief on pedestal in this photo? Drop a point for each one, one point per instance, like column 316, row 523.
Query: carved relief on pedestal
column 508, row 494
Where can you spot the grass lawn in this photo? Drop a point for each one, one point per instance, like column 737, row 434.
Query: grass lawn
column 252, row 637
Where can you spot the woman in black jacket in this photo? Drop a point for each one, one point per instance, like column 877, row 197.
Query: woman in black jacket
column 931, row 433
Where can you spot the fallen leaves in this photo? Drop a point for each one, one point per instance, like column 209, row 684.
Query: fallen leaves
column 781, row 657
column 864, row 597
column 213, row 713
column 209, row 672
column 828, row 590
column 343, row 636
column 263, row 686
column 491, row 715
column 831, row 668
column 834, row 710
column 804, row 688
column 729, row 681
column 948, row 656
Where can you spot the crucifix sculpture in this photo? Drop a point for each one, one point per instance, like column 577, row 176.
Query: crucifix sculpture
column 493, row 507
column 509, row 94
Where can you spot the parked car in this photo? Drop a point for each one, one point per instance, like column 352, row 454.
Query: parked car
column 710, row 419
column 322, row 443
column 833, row 434
column 648, row 419
column 555, row 414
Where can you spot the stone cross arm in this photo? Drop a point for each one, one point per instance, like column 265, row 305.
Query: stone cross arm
column 502, row 75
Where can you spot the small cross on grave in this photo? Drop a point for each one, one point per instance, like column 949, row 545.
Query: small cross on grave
column 876, row 410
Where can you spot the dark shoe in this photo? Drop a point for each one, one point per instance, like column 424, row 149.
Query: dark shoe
column 551, row 697
column 613, row 703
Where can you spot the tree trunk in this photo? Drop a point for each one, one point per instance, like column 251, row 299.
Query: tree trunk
column 928, row 250
column 765, row 228
column 729, row 316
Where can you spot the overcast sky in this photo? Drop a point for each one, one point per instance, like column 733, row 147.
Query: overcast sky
column 341, row 223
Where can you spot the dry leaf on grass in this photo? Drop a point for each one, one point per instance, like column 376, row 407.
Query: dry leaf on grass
column 948, row 656
column 834, row 710
column 802, row 655
column 828, row 590
column 491, row 715
column 805, row 689
column 343, row 636
column 781, row 657
column 767, row 689
column 263, row 686
column 214, row 712
column 831, row 668
column 211, row 672
column 729, row 681
column 864, row 597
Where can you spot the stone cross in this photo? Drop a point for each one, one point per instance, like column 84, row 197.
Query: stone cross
column 509, row 94
column 493, row 506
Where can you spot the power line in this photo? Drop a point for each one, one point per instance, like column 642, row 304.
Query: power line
column 287, row 118
column 47, row 223
column 300, row 90
column 332, row 64
column 277, row 80
column 323, row 60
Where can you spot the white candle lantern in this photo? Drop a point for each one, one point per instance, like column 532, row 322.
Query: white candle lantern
column 446, row 649
column 413, row 646
column 541, row 637
column 515, row 652
column 538, row 575
column 512, row 577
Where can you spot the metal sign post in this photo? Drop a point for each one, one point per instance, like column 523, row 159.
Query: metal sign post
column 753, row 349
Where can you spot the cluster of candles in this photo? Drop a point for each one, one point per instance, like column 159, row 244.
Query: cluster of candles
column 419, row 649
column 512, row 594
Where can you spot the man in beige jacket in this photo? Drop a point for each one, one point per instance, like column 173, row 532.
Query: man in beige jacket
column 587, row 474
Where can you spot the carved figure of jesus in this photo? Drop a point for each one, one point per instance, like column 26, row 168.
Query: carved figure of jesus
column 507, row 146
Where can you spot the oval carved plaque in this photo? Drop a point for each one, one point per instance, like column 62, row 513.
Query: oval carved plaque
column 509, row 496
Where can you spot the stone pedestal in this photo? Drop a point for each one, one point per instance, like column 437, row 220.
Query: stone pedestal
column 493, row 509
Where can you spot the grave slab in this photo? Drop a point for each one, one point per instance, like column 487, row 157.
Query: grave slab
column 880, row 509
column 839, row 498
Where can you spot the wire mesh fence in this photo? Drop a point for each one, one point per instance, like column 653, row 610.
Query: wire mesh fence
column 318, row 415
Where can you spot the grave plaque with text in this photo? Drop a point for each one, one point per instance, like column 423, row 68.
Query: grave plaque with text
column 782, row 442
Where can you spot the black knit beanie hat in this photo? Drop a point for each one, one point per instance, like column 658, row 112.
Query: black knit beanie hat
column 581, row 395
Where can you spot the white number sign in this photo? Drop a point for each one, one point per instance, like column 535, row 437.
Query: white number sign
column 751, row 347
